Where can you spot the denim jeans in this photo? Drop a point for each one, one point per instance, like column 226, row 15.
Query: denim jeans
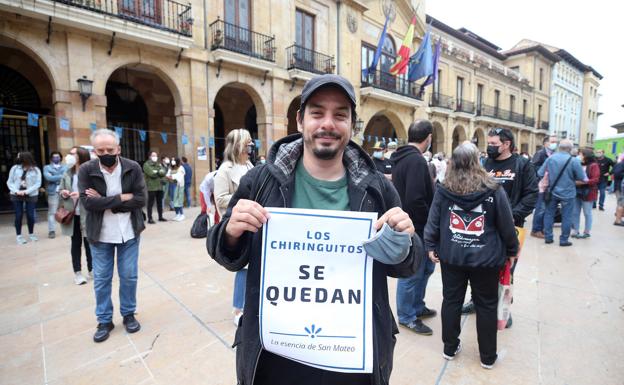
column 179, row 210
column 411, row 291
column 171, row 193
column 53, row 202
column 18, row 207
column 240, row 280
column 127, row 267
column 538, row 214
column 586, row 207
column 187, row 194
column 567, row 211
column 602, row 189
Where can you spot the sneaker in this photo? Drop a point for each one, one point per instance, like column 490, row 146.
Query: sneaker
column 103, row 332
column 509, row 322
column 181, row 218
column 487, row 366
column 548, row 241
column 161, row 219
column 79, row 279
column 237, row 318
column 576, row 236
column 21, row 240
column 565, row 244
column 427, row 313
column 614, row 224
column 419, row 327
column 537, row 234
column 131, row 324
column 151, row 221
column 176, row 217
column 33, row 237
column 601, row 208
column 451, row 358
column 468, row 308
column 585, row 235
column 51, row 234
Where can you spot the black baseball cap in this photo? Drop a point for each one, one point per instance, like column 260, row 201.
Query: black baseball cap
column 321, row 81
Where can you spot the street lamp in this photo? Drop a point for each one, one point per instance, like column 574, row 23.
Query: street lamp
column 359, row 125
column 86, row 87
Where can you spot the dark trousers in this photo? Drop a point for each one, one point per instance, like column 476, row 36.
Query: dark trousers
column 275, row 370
column 602, row 189
column 484, row 284
column 156, row 196
column 18, row 207
column 76, row 246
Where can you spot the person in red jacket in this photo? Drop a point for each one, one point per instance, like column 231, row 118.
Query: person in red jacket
column 586, row 193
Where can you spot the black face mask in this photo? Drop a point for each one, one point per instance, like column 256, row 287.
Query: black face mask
column 251, row 151
column 493, row 152
column 108, row 160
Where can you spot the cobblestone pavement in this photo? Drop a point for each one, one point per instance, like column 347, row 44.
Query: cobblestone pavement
column 568, row 317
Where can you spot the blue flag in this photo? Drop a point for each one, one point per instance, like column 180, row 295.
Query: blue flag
column 373, row 67
column 92, row 126
column 184, row 139
column 64, row 124
column 421, row 63
column 257, row 143
column 119, row 131
column 436, row 61
column 211, row 143
column 33, row 119
column 142, row 135
column 163, row 136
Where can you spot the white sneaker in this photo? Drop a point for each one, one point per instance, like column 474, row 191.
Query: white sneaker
column 485, row 366
column 79, row 279
column 451, row 358
column 33, row 237
column 181, row 218
column 176, row 218
column 21, row 240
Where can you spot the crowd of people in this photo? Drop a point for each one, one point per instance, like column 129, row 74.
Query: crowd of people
column 463, row 213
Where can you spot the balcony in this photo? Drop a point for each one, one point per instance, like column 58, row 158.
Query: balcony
column 395, row 84
column 439, row 100
column 493, row 112
column 466, row 106
column 544, row 126
column 300, row 58
column 164, row 23
column 241, row 40
column 529, row 121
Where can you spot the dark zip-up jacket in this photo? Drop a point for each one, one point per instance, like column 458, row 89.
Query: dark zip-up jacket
column 472, row 230
column 524, row 190
column 90, row 176
column 272, row 185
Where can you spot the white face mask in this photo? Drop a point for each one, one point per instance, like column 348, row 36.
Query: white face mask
column 427, row 158
column 166, row 161
column 173, row 162
column 377, row 154
column 154, row 159
column 70, row 160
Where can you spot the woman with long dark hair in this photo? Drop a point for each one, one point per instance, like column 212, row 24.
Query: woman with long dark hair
column 470, row 231
column 24, row 183
column 586, row 193
column 70, row 200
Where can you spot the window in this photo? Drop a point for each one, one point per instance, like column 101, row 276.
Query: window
column 496, row 99
column 539, row 115
column 512, row 103
column 436, row 85
column 237, row 13
column 304, row 32
column 479, row 96
column 541, row 78
column 524, row 107
column 459, row 92
column 589, row 115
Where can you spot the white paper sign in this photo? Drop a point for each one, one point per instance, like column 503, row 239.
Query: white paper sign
column 316, row 288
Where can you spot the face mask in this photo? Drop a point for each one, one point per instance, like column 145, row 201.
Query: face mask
column 262, row 161
column 250, row 149
column 108, row 160
column 427, row 158
column 166, row 161
column 377, row 154
column 493, row 152
column 154, row 159
column 388, row 246
column 552, row 146
column 173, row 162
column 70, row 160
column 56, row 159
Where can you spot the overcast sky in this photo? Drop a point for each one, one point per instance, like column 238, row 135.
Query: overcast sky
column 590, row 30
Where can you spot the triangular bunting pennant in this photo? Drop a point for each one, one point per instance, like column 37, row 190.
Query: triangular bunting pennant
column 119, row 131
column 163, row 136
column 33, row 119
column 64, row 124
column 142, row 135
column 92, row 126
column 211, row 142
column 184, row 139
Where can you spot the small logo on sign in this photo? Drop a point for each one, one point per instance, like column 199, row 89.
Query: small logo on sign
column 312, row 331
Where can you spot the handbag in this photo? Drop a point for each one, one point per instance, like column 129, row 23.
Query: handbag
column 64, row 216
column 548, row 192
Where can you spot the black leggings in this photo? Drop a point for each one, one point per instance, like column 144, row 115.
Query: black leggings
column 18, row 206
column 158, row 197
column 76, row 246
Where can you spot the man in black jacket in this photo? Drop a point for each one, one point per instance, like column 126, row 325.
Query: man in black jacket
column 410, row 176
column 300, row 169
column 549, row 148
column 606, row 164
column 112, row 191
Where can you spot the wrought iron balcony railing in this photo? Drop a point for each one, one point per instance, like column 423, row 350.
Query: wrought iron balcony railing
column 439, row 100
column 463, row 105
column 544, row 126
column 166, row 15
column 301, row 58
column 395, row 84
column 529, row 121
column 241, row 40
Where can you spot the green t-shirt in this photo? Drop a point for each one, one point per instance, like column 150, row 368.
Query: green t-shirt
column 311, row 193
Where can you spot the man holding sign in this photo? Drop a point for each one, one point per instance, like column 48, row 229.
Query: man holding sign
column 316, row 307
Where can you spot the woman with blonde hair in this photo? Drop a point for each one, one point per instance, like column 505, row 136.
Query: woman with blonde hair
column 470, row 231
column 238, row 147
column 77, row 227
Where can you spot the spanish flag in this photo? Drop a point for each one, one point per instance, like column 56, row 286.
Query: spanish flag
column 400, row 65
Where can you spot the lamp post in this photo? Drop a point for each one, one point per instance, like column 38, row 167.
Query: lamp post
column 86, row 87
column 359, row 125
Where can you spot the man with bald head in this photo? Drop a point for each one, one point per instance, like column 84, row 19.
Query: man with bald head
column 563, row 173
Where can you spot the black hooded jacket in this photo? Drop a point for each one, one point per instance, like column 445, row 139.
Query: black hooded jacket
column 411, row 178
column 272, row 185
column 472, row 230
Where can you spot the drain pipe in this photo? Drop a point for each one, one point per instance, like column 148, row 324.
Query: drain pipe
column 210, row 156
column 338, row 3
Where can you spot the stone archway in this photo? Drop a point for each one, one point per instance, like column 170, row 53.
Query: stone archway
column 437, row 138
column 385, row 125
column 479, row 139
column 459, row 136
column 292, row 115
